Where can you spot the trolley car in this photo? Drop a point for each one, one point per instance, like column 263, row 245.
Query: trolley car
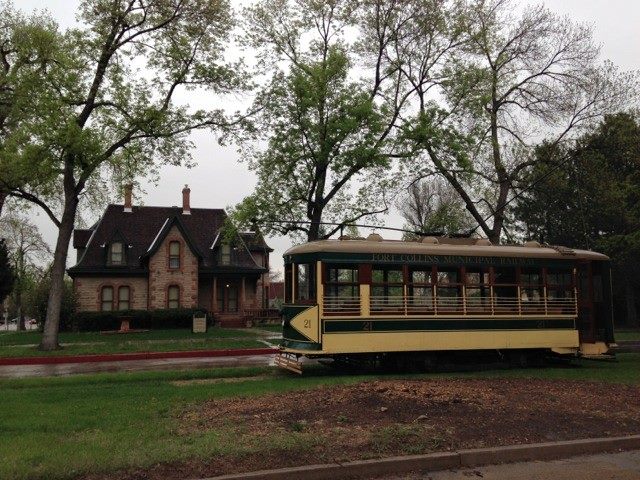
column 389, row 299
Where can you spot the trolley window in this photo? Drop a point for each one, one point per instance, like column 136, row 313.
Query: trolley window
column 560, row 289
column 387, row 289
column 342, row 281
column 505, row 289
column 449, row 289
column 288, row 282
column 305, row 282
column 420, row 290
column 531, row 290
column 341, row 290
column 559, row 283
column 477, row 288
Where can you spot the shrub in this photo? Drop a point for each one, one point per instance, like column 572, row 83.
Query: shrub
column 99, row 321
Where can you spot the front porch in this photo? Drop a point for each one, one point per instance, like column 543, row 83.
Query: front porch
column 234, row 301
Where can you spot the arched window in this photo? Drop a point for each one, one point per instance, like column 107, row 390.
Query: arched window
column 174, row 255
column 106, row 299
column 116, row 253
column 173, row 297
column 124, row 294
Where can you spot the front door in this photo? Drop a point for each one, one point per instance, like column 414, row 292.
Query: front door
column 227, row 297
column 586, row 319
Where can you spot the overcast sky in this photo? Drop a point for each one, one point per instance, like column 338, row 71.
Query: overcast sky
column 219, row 180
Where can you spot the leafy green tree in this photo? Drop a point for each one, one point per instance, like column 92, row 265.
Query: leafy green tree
column 329, row 116
column 27, row 48
column 7, row 276
column 323, row 138
column 588, row 196
column 109, row 110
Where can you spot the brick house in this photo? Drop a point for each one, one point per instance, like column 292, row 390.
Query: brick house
column 149, row 258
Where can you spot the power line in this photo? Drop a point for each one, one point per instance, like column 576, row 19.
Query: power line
column 343, row 225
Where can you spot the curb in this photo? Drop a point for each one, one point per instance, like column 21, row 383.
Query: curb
column 123, row 357
column 444, row 461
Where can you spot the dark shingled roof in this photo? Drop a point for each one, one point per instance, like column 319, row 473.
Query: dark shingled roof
column 81, row 237
column 144, row 227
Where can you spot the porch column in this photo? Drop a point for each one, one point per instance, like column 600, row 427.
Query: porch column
column 214, row 306
column 242, row 295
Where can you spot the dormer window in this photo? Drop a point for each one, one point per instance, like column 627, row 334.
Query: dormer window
column 174, row 255
column 116, row 253
column 225, row 254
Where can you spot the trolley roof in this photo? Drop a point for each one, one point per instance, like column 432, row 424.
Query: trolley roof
column 443, row 246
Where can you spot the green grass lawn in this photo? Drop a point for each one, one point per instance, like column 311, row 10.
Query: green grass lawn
column 16, row 344
column 58, row 428
column 627, row 335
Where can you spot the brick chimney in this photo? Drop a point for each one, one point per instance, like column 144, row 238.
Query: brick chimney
column 186, row 206
column 128, row 189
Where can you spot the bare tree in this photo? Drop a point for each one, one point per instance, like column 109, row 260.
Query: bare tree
column 28, row 251
column 519, row 77
column 432, row 205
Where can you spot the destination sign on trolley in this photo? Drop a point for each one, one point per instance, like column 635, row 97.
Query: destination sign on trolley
column 449, row 259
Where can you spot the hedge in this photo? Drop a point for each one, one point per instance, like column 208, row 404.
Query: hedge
column 100, row 321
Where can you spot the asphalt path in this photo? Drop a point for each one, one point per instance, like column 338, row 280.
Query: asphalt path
column 62, row 369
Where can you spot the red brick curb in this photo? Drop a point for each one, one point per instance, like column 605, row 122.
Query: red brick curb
column 123, row 357
column 444, row 461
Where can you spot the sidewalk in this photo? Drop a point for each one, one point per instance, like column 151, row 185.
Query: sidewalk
column 121, row 357
column 604, row 466
column 149, row 364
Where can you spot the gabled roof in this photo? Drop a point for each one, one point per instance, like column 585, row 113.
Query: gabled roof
column 164, row 231
column 144, row 229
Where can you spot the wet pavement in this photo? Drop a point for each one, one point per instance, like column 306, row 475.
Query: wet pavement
column 614, row 466
column 21, row 371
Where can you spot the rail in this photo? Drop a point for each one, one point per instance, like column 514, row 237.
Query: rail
column 443, row 305
column 341, row 305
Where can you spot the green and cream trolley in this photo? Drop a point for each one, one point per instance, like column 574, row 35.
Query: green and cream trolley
column 375, row 298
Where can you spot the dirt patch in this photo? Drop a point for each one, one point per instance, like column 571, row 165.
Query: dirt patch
column 384, row 418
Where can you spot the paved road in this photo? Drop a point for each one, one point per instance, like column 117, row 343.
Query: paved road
column 618, row 466
column 19, row 371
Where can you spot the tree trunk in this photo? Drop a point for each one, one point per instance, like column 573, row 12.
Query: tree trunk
column 20, row 323
column 630, row 301
column 314, row 228
column 3, row 197
column 19, row 285
column 54, row 305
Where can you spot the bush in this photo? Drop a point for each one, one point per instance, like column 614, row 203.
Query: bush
column 99, row 321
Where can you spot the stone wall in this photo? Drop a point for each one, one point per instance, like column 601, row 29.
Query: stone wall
column 88, row 292
column 161, row 277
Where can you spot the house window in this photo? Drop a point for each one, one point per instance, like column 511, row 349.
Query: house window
column 174, row 297
column 225, row 254
column 106, row 299
column 116, row 253
column 123, row 298
column 174, row 255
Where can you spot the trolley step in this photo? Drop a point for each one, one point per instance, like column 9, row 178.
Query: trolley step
column 288, row 362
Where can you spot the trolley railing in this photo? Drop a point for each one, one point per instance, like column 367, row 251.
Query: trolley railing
column 341, row 305
column 450, row 305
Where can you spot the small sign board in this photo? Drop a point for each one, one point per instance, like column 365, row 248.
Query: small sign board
column 199, row 324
